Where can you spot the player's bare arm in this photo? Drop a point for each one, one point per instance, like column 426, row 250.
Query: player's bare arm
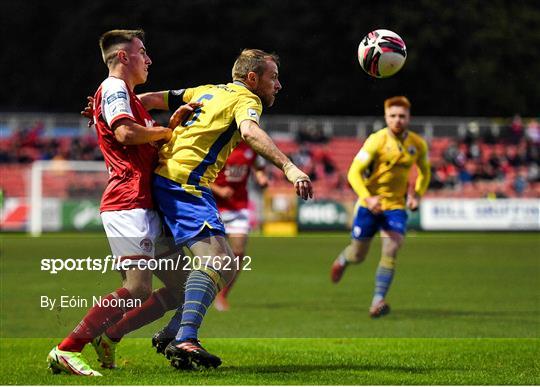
column 176, row 118
column 155, row 100
column 128, row 132
column 261, row 143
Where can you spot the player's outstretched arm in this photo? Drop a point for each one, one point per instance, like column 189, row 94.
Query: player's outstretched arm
column 261, row 143
column 154, row 100
column 128, row 132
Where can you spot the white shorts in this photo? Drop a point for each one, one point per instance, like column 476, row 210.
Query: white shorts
column 236, row 222
column 136, row 235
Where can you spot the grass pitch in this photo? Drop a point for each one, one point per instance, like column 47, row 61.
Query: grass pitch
column 466, row 310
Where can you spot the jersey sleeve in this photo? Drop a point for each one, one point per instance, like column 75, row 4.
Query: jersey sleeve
column 360, row 163
column 115, row 102
column 249, row 107
column 424, row 169
column 369, row 150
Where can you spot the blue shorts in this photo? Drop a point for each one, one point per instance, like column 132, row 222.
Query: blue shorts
column 366, row 224
column 189, row 217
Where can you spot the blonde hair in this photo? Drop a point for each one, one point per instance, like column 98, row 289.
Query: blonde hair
column 251, row 60
column 397, row 101
column 109, row 41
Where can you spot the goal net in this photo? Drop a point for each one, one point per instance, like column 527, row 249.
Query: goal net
column 65, row 195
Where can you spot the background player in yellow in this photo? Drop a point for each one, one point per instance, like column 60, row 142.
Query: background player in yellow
column 189, row 163
column 379, row 175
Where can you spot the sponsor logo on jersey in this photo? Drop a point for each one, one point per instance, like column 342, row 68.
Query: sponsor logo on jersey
column 113, row 97
column 252, row 113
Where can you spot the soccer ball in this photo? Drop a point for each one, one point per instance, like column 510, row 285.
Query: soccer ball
column 382, row 53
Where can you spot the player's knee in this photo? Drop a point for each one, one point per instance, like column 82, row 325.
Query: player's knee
column 140, row 291
column 228, row 275
column 359, row 256
column 238, row 253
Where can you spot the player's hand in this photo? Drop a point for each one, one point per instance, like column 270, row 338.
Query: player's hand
column 374, row 204
column 182, row 113
column 226, row 192
column 262, row 179
column 413, row 201
column 158, row 144
column 304, row 189
column 301, row 181
column 88, row 111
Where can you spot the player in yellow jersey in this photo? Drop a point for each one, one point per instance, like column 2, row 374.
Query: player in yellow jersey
column 189, row 163
column 379, row 175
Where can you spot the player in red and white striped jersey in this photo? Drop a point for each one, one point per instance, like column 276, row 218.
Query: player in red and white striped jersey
column 230, row 191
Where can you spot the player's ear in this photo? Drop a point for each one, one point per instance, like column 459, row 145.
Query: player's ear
column 122, row 56
column 252, row 78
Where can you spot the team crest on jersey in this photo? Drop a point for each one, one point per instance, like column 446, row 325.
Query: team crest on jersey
column 146, row 245
column 411, row 150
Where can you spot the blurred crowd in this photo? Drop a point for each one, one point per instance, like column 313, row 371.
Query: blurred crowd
column 28, row 144
column 313, row 156
column 492, row 163
column 509, row 159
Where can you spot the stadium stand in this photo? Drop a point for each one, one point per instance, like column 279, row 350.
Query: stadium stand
column 468, row 166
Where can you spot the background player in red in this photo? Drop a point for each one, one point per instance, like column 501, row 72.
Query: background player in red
column 126, row 133
column 231, row 193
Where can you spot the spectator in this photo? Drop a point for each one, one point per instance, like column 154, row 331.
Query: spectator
column 516, row 129
column 533, row 132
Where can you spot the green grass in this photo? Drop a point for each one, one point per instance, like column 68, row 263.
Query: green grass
column 304, row 361
column 466, row 310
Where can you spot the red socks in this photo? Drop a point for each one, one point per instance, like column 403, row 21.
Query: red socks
column 157, row 304
column 96, row 321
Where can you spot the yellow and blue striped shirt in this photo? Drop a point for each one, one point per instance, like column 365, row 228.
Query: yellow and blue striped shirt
column 200, row 146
